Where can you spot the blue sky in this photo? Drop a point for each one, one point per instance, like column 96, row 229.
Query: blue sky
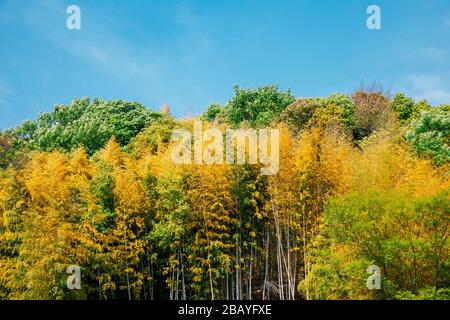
column 188, row 54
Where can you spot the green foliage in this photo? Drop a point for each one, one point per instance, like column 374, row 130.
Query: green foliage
column 346, row 105
column 403, row 105
column 102, row 186
column 6, row 144
column 336, row 276
column 257, row 107
column 11, row 155
column 429, row 134
column 337, row 109
column 407, row 239
column 212, row 113
column 407, row 108
column 142, row 227
column 298, row 114
column 85, row 123
column 155, row 137
column 172, row 209
column 430, row 293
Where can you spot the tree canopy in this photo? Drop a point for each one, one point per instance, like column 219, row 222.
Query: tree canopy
column 363, row 182
column 87, row 123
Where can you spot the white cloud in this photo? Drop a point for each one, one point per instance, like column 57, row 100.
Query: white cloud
column 137, row 65
column 147, row 67
column 147, row 71
column 113, row 58
column 431, row 88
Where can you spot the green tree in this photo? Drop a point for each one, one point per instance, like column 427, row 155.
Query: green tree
column 408, row 240
column 88, row 123
column 407, row 108
column 258, row 107
column 155, row 138
column 403, row 105
column 307, row 112
column 429, row 134
column 298, row 114
column 212, row 113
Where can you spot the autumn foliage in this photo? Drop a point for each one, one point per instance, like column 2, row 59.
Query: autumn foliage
column 363, row 180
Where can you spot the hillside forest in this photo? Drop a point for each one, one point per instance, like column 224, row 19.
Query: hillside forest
column 363, row 181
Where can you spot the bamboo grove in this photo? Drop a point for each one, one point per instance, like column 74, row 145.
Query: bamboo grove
column 92, row 184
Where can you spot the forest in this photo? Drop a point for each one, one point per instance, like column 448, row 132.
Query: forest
column 363, row 181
